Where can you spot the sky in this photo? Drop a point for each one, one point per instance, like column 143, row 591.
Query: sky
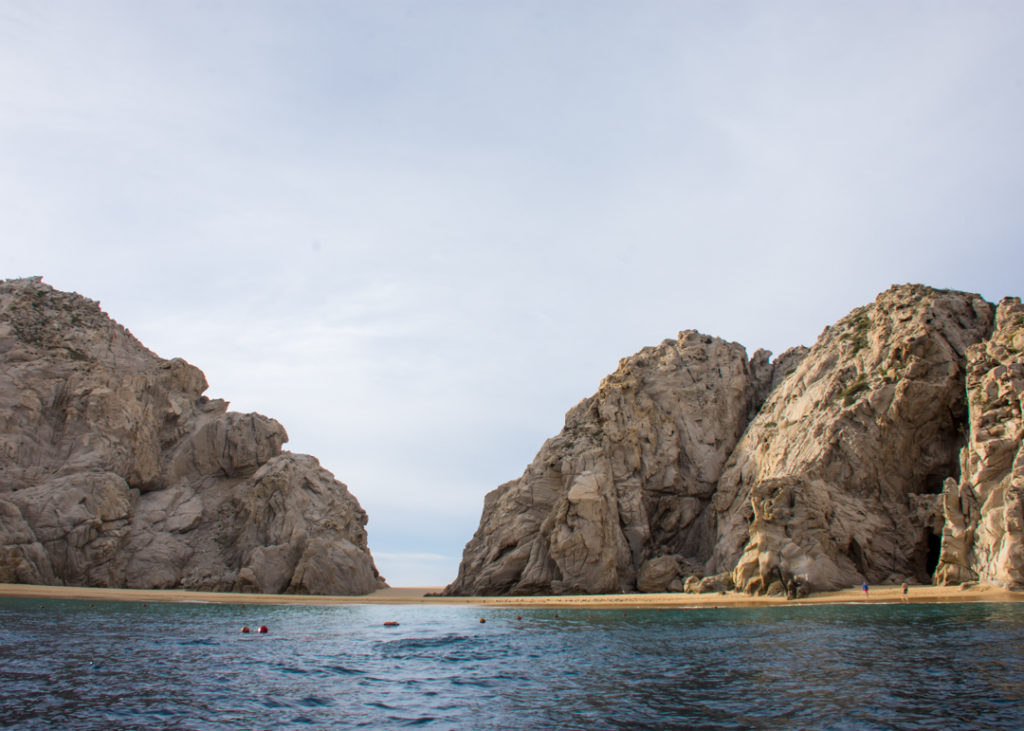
column 417, row 233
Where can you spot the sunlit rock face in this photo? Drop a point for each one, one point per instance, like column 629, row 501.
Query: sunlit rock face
column 621, row 495
column 117, row 471
column 696, row 469
column 836, row 479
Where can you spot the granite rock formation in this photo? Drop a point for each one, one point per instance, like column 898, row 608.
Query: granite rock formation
column 627, row 483
column 983, row 532
column 837, row 477
column 116, row 470
column 696, row 469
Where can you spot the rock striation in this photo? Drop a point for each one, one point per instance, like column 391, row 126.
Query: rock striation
column 621, row 495
column 983, row 531
column 117, row 471
column 836, row 479
column 890, row 451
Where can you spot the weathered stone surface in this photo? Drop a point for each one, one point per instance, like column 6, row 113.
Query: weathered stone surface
column 837, row 478
column 983, row 535
column 658, row 574
column 627, row 480
column 115, row 470
column 820, row 470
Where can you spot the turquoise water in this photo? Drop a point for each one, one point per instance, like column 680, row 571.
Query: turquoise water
column 72, row 665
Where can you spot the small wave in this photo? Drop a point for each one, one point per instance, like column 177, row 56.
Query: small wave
column 419, row 721
column 342, row 670
column 424, row 643
column 381, row 705
column 291, row 669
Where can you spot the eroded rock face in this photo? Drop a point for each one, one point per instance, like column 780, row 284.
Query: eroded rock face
column 983, row 535
column 117, row 471
column 837, row 478
column 822, row 469
column 626, row 481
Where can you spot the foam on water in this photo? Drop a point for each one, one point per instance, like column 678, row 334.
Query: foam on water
column 66, row 664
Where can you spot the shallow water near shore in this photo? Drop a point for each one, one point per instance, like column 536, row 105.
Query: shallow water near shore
column 76, row 665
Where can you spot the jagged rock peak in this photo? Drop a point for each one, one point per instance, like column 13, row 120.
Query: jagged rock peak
column 626, row 481
column 66, row 324
column 118, row 471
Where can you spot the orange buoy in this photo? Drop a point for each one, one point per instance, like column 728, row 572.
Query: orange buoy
column 482, row 620
column 263, row 629
column 391, row 624
column 245, row 629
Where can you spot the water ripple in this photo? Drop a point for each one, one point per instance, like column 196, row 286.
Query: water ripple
column 840, row 667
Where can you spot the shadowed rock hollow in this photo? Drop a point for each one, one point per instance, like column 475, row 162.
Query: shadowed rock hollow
column 117, row 471
column 693, row 468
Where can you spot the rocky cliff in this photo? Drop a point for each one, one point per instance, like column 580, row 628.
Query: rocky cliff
column 983, row 530
column 893, row 441
column 117, row 471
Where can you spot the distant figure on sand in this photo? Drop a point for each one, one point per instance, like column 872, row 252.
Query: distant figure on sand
column 905, row 589
column 865, row 588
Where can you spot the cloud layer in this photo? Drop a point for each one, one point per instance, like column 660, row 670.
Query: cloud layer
column 416, row 234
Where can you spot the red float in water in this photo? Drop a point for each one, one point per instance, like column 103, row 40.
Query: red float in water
column 245, row 629
column 263, row 629
column 391, row 624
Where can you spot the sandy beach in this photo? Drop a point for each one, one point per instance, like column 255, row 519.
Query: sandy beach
column 419, row 595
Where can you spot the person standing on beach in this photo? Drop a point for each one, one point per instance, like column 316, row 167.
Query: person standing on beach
column 905, row 589
column 865, row 588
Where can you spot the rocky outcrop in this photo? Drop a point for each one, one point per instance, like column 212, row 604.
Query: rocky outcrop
column 627, row 481
column 693, row 468
column 983, row 535
column 837, row 477
column 117, row 471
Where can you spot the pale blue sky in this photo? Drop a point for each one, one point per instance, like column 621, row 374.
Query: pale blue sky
column 418, row 233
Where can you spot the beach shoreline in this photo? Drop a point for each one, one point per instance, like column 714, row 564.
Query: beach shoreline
column 884, row 594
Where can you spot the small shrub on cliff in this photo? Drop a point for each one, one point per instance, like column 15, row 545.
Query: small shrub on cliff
column 850, row 393
column 857, row 334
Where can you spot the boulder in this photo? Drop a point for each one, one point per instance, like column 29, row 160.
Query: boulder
column 658, row 574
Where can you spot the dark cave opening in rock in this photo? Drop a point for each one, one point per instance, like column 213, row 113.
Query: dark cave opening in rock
column 856, row 554
column 933, row 483
column 931, row 560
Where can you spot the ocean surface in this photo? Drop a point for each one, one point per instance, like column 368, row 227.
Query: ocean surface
column 76, row 665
